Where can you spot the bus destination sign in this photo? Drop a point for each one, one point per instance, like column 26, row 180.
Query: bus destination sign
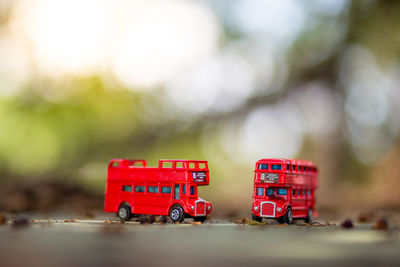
column 199, row 176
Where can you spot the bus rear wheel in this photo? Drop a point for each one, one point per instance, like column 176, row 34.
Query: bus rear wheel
column 309, row 216
column 200, row 219
column 256, row 218
column 176, row 214
column 124, row 213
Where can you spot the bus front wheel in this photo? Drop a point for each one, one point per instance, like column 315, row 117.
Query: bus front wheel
column 289, row 215
column 256, row 218
column 176, row 214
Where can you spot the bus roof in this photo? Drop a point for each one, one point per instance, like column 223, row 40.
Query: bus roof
column 287, row 161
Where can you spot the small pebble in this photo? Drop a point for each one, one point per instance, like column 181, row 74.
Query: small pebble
column 347, row 224
column 152, row 219
column 143, row 219
column 381, row 224
column 3, row 219
column 20, row 222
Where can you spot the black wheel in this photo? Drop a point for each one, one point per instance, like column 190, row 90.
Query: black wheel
column 176, row 214
column 309, row 216
column 256, row 218
column 289, row 216
column 281, row 220
column 124, row 213
column 200, row 219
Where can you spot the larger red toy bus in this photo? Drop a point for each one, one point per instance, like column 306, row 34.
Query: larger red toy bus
column 284, row 189
column 170, row 189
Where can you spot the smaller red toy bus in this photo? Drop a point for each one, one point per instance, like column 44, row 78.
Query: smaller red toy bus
column 284, row 189
column 170, row 189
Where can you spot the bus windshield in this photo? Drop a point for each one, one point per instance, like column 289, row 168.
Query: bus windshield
column 276, row 166
column 263, row 166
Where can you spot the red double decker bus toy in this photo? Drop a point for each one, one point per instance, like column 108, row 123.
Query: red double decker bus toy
column 284, row 189
column 170, row 189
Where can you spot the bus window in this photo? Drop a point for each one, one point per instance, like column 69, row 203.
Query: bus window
column 288, row 167
column 166, row 189
column 309, row 192
column 139, row 189
column 179, row 165
column 115, row 164
column 166, row 164
column 192, row 165
column 263, row 166
column 176, row 195
column 276, row 167
column 298, row 168
column 260, row 191
column 127, row 188
column 152, row 189
column 202, row 165
column 282, row 191
column 293, row 192
column 192, row 191
column 304, row 192
column 294, row 167
column 270, row 191
column 184, row 189
column 298, row 192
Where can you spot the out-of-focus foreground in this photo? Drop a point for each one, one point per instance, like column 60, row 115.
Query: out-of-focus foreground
column 82, row 82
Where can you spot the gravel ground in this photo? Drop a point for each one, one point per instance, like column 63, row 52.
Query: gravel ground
column 107, row 242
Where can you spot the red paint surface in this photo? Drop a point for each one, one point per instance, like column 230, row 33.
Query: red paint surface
column 169, row 173
column 303, row 181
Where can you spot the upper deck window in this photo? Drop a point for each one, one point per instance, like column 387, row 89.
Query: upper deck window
column 263, row 166
column 288, row 167
column 202, row 165
column 276, row 167
column 192, row 165
column 166, row 164
column 179, row 165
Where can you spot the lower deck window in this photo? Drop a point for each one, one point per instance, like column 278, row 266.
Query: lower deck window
column 282, row 191
column 166, row 189
column 139, row 189
column 152, row 189
column 260, row 191
column 270, row 191
column 192, row 191
column 127, row 188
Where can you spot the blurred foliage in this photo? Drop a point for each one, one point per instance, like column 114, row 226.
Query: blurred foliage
column 70, row 127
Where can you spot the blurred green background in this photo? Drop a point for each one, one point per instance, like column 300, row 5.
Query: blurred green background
column 82, row 82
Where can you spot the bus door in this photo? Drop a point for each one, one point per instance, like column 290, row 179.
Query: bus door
column 176, row 192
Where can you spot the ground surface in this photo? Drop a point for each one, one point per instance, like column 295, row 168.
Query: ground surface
column 104, row 242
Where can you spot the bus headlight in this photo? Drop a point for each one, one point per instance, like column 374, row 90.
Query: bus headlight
column 209, row 207
column 192, row 207
column 279, row 209
column 256, row 208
